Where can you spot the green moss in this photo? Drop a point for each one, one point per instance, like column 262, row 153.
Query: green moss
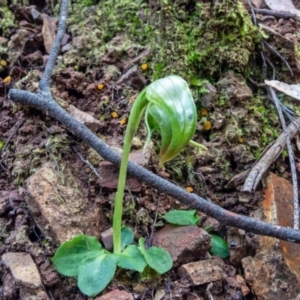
column 7, row 21
column 191, row 41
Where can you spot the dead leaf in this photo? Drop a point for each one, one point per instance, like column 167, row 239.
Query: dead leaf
column 49, row 30
column 283, row 5
column 292, row 90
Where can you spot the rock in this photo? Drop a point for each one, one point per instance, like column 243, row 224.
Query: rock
column 84, row 118
column 77, row 42
column 184, row 243
column 25, row 275
column 110, row 173
column 64, row 212
column 203, row 271
column 3, row 41
column 66, row 48
column 208, row 99
column 107, row 238
column 4, row 202
column 273, row 273
column 234, row 86
column 238, row 282
column 116, row 295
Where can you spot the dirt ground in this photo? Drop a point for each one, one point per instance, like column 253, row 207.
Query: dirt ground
column 109, row 54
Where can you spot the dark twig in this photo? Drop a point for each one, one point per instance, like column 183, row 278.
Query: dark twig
column 46, row 103
column 17, row 125
column 279, row 55
column 277, row 14
column 44, row 84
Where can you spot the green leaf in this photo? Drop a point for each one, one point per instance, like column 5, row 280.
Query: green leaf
column 127, row 236
column 219, row 246
column 131, row 258
column 71, row 254
column 173, row 111
column 157, row 258
column 95, row 275
column 182, row 217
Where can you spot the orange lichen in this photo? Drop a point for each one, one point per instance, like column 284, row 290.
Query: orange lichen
column 123, row 121
column 144, row 67
column 7, row 79
column 207, row 125
column 189, row 189
column 240, row 140
column 203, row 112
column 114, row 114
column 3, row 63
column 100, row 86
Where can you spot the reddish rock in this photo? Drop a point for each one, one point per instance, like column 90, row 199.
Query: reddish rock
column 273, row 273
column 184, row 243
column 110, row 173
column 116, row 295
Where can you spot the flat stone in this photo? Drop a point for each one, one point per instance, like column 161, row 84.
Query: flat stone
column 184, row 243
column 273, row 273
column 25, row 274
column 116, row 295
column 64, row 211
column 203, row 271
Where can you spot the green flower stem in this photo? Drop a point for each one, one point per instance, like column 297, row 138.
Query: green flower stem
column 133, row 123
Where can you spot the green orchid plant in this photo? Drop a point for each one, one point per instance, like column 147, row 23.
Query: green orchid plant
column 169, row 107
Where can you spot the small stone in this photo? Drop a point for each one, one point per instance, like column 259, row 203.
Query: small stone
column 3, row 41
column 66, row 48
column 77, row 42
column 208, row 99
column 25, row 274
column 107, row 238
column 243, row 286
column 4, row 202
column 184, row 243
column 84, row 118
column 203, row 271
column 137, row 143
column 116, row 295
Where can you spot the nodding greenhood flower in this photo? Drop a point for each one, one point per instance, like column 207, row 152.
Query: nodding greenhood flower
column 172, row 111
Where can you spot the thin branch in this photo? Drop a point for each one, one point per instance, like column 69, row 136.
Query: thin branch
column 45, row 102
column 44, row 84
column 277, row 14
